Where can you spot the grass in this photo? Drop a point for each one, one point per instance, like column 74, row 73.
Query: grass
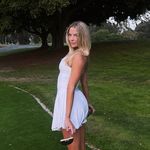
column 120, row 91
column 119, row 84
column 24, row 125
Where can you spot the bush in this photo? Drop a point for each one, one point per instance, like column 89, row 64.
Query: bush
column 105, row 35
column 131, row 35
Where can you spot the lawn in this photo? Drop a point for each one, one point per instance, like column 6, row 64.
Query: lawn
column 119, row 84
column 24, row 125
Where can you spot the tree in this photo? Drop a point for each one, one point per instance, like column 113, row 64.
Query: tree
column 33, row 16
column 42, row 17
column 143, row 30
column 143, row 26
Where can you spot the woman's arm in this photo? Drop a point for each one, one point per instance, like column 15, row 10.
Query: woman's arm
column 84, row 85
column 78, row 64
column 85, row 90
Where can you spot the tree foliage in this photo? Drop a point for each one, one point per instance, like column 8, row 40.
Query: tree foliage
column 143, row 30
column 42, row 17
column 28, row 14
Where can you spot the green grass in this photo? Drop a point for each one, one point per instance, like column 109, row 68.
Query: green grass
column 119, row 84
column 120, row 92
column 24, row 125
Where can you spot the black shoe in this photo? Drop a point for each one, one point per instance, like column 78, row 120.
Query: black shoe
column 66, row 141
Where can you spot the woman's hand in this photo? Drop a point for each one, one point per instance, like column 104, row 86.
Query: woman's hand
column 69, row 126
column 91, row 110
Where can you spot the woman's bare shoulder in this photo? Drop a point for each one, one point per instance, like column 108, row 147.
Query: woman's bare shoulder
column 79, row 57
column 79, row 60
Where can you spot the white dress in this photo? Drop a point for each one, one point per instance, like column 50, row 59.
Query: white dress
column 79, row 108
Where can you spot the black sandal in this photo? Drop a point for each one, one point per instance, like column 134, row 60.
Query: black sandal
column 66, row 141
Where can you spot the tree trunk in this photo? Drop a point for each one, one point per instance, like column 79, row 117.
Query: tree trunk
column 58, row 32
column 57, row 39
column 44, row 40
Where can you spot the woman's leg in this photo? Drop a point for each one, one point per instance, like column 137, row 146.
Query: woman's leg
column 79, row 139
column 82, row 138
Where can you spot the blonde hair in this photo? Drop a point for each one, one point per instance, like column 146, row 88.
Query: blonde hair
column 84, row 44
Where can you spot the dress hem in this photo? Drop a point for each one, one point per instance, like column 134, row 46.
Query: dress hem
column 60, row 128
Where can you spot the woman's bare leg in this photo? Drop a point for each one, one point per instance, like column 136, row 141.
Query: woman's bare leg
column 82, row 138
column 75, row 145
column 79, row 139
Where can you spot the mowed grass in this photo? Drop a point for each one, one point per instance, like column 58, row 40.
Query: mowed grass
column 24, row 125
column 119, row 84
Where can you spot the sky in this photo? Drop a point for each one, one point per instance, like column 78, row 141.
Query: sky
column 132, row 23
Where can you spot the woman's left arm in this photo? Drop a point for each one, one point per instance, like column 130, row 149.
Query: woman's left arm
column 78, row 64
column 84, row 85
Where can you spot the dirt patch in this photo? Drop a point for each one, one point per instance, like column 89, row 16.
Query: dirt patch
column 27, row 60
column 30, row 58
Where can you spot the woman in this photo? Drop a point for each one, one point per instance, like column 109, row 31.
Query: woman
column 71, row 105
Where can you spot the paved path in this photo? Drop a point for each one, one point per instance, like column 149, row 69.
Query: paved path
column 9, row 48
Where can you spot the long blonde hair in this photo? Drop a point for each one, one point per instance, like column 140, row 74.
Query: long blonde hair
column 84, row 44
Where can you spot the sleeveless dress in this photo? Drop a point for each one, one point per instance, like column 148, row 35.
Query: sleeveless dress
column 79, row 107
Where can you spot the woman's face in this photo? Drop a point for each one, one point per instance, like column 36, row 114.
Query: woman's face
column 73, row 37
